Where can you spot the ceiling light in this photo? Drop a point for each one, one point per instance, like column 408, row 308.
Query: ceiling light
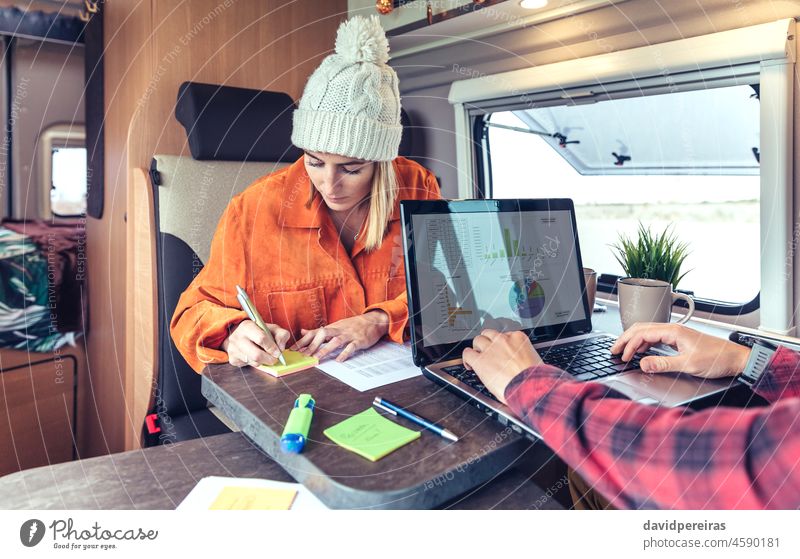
column 533, row 4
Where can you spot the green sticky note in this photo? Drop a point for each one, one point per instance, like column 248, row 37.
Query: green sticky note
column 370, row 435
column 295, row 362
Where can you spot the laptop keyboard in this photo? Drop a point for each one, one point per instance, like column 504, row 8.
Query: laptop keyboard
column 469, row 378
column 586, row 360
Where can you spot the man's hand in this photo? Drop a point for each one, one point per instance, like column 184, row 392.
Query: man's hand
column 354, row 333
column 249, row 345
column 498, row 357
column 699, row 354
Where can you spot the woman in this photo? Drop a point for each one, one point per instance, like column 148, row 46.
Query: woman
column 316, row 245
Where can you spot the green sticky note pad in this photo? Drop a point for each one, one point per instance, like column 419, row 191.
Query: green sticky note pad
column 370, row 435
column 295, row 362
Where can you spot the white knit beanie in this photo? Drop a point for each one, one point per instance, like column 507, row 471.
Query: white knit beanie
column 351, row 103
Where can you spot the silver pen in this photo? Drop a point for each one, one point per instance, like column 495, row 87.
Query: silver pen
column 252, row 313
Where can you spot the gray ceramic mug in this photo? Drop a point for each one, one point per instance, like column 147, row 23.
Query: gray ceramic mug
column 648, row 300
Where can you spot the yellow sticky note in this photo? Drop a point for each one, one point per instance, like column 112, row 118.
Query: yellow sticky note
column 295, row 362
column 254, row 498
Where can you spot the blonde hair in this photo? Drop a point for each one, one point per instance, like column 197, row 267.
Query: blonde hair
column 382, row 197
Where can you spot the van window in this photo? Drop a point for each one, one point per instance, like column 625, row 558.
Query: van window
column 687, row 159
column 68, row 175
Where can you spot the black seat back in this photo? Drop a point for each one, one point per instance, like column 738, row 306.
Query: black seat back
column 190, row 193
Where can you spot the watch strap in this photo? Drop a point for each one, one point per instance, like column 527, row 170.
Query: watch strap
column 760, row 356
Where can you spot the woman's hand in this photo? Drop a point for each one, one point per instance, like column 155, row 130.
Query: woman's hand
column 354, row 333
column 498, row 357
column 249, row 345
column 699, row 354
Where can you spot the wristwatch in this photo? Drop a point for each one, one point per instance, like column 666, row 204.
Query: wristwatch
column 760, row 356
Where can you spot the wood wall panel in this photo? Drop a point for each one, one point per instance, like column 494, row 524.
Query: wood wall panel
column 127, row 69
column 142, row 303
column 39, row 401
column 151, row 48
column 265, row 45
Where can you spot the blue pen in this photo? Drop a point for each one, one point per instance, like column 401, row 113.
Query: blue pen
column 397, row 410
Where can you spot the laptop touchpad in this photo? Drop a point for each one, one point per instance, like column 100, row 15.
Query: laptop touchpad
column 666, row 388
column 632, row 389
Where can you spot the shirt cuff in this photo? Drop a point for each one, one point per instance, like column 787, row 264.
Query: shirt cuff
column 398, row 317
column 532, row 383
column 208, row 347
column 782, row 378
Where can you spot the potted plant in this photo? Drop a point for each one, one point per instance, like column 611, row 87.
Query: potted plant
column 652, row 256
column 652, row 264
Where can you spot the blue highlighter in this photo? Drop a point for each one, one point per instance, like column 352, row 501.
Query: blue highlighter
column 298, row 425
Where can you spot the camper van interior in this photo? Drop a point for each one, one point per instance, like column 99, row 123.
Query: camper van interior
column 550, row 176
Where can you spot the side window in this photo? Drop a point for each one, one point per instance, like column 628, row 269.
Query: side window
column 68, row 191
column 689, row 160
column 63, row 171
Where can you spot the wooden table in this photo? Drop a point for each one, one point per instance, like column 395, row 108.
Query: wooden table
column 160, row 477
column 425, row 473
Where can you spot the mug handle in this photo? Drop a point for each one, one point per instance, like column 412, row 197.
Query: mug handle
column 690, row 301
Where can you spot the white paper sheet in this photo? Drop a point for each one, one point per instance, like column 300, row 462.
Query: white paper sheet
column 208, row 489
column 382, row 364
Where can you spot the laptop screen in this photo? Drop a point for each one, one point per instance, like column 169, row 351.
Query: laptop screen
column 511, row 265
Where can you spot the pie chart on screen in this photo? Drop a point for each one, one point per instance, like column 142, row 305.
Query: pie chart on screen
column 526, row 298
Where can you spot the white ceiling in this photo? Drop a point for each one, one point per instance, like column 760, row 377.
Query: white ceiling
column 498, row 18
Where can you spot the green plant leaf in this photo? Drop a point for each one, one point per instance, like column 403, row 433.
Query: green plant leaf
column 652, row 256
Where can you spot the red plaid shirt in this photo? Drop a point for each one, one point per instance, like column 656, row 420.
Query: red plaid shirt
column 643, row 457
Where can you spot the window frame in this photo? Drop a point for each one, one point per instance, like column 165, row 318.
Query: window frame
column 769, row 48
column 53, row 137
column 606, row 282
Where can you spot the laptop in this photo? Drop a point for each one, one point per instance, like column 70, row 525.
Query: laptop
column 514, row 265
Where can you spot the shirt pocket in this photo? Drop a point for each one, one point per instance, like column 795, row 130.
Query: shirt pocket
column 293, row 310
column 395, row 286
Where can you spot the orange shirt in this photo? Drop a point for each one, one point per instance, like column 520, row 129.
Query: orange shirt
column 293, row 266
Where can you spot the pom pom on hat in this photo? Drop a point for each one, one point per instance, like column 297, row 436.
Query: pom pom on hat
column 361, row 39
column 351, row 102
